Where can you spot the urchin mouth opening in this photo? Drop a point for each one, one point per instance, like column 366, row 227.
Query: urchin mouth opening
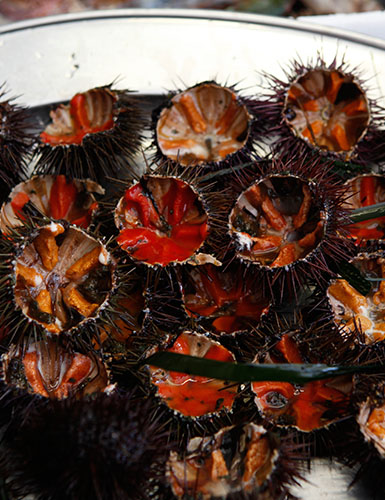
column 328, row 109
column 277, row 221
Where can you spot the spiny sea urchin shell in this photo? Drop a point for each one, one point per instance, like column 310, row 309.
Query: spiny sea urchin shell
column 236, row 462
column 163, row 220
column 354, row 311
column 108, row 446
column 194, row 396
column 57, row 197
column 92, row 136
column 224, row 300
column 206, row 124
column 306, row 407
column 15, row 140
column 52, row 370
column 325, row 108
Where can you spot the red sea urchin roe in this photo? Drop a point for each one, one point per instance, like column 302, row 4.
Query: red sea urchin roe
column 203, row 124
column 162, row 220
column 228, row 299
column 306, row 407
column 194, row 396
column 88, row 113
column 328, row 109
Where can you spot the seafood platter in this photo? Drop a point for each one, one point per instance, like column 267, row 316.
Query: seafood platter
column 192, row 262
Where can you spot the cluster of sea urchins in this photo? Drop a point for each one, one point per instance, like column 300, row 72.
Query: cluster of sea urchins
column 213, row 250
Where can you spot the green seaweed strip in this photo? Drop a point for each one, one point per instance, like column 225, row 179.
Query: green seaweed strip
column 355, row 278
column 248, row 372
column 367, row 213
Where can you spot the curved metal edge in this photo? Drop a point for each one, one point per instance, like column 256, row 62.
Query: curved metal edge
column 198, row 15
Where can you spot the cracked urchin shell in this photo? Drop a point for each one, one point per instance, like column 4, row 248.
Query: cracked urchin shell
column 289, row 221
column 92, row 136
column 53, row 196
column 193, row 396
column 306, row 407
column 323, row 108
column 207, row 124
column 224, row 300
column 353, row 311
column 163, row 220
column 108, row 446
column 52, row 370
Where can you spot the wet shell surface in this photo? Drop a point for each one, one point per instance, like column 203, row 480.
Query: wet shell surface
column 48, row 369
column 234, row 460
column 225, row 300
column 87, row 113
column 328, row 109
column 190, row 395
column 363, row 191
column 62, row 277
column 205, row 123
column 161, row 220
column 54, row 196
column 352, row 310
column 276, row 222
column 306, row 407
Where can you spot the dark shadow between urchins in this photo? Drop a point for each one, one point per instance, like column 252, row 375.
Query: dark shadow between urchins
column 287, row 219
column 108, row 447
column 95, row 136
column 207, row 125
column 323, row 108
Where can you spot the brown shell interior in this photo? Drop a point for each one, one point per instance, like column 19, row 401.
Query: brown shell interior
column 328, row 109
column 276, row 221
column 205, row 123
column 62, row 277
column 212, row 468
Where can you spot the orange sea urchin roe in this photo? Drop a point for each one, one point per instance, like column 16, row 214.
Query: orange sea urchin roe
column 354, row 311
column 191, row 395
column 306, row 407
column 276, row 222
column 328, row 109
column 162, row 220
column 62, row 277
column 203, row 124
column 87, row 113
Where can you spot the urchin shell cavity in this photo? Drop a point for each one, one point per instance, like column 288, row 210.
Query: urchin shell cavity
column 162, row 221
column 328, row 109
column 204, row 124
column 62, row 277
column 276, row 221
